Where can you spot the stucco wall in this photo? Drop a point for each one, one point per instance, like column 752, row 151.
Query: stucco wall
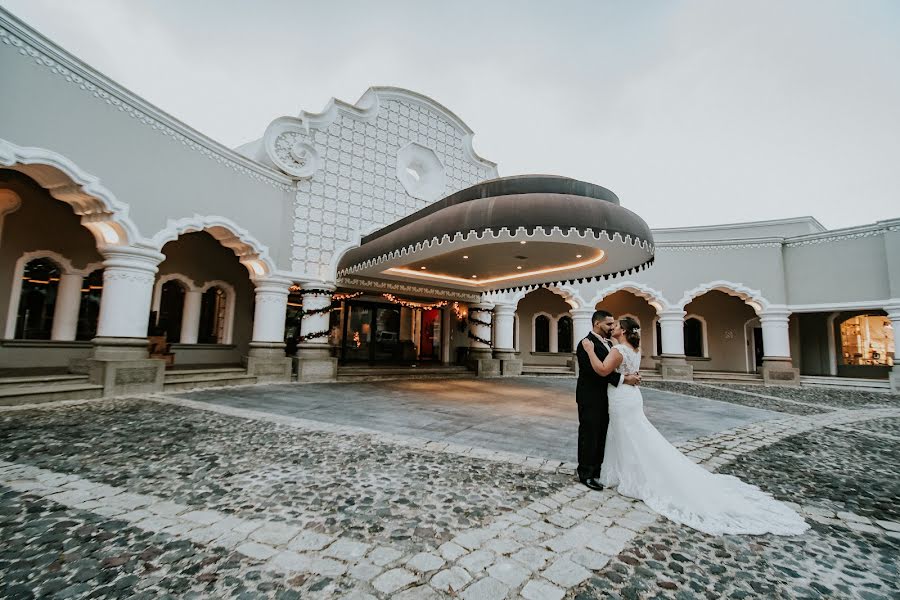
column 159, row 172
column 842, row 270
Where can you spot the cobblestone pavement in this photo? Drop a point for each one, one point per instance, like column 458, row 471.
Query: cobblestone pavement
column 158, row 496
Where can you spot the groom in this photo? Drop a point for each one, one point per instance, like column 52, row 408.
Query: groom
column 593, row 402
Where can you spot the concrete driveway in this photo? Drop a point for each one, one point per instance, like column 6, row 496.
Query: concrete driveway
column 527, row 415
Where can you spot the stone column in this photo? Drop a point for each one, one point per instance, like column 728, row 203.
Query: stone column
column 777, row 368
column 554, row 335
column 68, row 304
column 673, row 364
column 120, row 361
column 503, row 322
column 266, row 360
column 581, row 326
column 190, row 316
column 314, row 359
column 893, row 311
column 480, row 356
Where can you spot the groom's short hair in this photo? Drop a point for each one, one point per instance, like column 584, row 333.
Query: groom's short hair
column 600, row 315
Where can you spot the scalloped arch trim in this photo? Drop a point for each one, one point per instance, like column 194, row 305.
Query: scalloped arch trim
column 250, row 252
column 641, row 290
column 753, row 298
column 100, row 211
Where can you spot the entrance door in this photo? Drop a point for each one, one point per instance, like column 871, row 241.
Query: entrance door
column 371, row 333
column 430, row 340
column 758, row 346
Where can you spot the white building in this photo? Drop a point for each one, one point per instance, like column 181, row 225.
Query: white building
column 357, row 232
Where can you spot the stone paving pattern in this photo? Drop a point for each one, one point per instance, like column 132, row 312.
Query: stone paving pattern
column 164, row 497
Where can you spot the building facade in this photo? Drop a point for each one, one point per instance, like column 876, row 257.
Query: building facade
column 119, row 223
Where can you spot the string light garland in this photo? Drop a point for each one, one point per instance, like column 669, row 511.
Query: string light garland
column 414, row 305
column 479, row 321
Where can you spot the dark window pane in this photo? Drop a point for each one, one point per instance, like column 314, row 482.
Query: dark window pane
column 542, row 334
column 37, row 301
column 564, row 334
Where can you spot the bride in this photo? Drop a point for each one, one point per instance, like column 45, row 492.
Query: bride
column 644, row 465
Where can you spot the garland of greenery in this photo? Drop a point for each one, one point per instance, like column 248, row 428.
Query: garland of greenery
column 487, row 343
column 478, row 321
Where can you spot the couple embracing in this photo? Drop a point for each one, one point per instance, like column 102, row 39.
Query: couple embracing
column 618, row 447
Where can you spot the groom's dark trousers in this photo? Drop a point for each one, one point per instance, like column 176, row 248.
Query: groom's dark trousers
column 593, row 410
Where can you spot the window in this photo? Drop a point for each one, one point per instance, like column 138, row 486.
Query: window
column 212, row 316
column 37, row 301
column 564, row 335
column 89, row 311
column 867, row 340
column 658, row 338
column 171, row 310
column 542, row 333
column 693, row 337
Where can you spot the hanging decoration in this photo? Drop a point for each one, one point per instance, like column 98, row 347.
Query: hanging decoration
column 479, row 321
column 460, row 311
column 415, row 305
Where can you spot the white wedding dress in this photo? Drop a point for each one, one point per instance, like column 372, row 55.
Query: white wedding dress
column 642, row 464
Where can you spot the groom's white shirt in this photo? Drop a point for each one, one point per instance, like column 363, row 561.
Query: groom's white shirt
column 602, row 340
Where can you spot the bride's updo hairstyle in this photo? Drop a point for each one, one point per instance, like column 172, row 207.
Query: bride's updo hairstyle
column 632, row 330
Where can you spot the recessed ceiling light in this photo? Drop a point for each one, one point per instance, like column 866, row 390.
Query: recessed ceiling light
column 523, row 242
column 519, row 268
column 474, row 276
column 465, row 256
column 577, row 256
column 423, row 268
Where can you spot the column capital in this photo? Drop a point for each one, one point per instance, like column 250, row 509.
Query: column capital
column 482, row 306
column 582, row 312
column 313, row 286
column 504, row 309
column 777, row 312
column 132, row 257
column 273, row 285
column 673, row 314
column 892, row 307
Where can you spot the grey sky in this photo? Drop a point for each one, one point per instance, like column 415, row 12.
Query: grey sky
column 694, row 113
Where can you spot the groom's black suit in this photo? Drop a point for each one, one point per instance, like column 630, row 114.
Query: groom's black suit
column 593, row 409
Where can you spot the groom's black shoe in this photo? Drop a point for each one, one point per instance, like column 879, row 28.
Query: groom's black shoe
column 593, row 483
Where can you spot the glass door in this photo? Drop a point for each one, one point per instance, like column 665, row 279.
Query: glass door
column 358, row 332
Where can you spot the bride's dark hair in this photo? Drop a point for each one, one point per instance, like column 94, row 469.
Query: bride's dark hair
column 632, row 330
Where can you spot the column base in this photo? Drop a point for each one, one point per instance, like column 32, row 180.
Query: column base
column 266, row 361
column 122, row 366
column 675, row 368
column 510, row 365
column 482, row 362
column 315, row 363
column 779, row 371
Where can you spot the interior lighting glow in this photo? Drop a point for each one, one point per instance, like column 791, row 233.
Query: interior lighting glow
column 466, row 256
column 523, row 242
column 601, row 255
column 577, row 256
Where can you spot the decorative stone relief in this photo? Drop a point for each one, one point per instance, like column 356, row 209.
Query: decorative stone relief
column 358, row 188
column 421, row 172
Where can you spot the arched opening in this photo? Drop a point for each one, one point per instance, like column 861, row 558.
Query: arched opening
column 171, row 310
column 89, row 309
column 714, row 332
column 541, row 333
column 537, row 330
column 627, row 302
column 693, row 338
column 37, row 300
column 213, row 315
column 564, row 333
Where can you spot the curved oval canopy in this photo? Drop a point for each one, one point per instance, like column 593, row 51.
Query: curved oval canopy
column 508, row 233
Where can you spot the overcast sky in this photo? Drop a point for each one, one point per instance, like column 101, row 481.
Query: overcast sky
column 694, row 113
